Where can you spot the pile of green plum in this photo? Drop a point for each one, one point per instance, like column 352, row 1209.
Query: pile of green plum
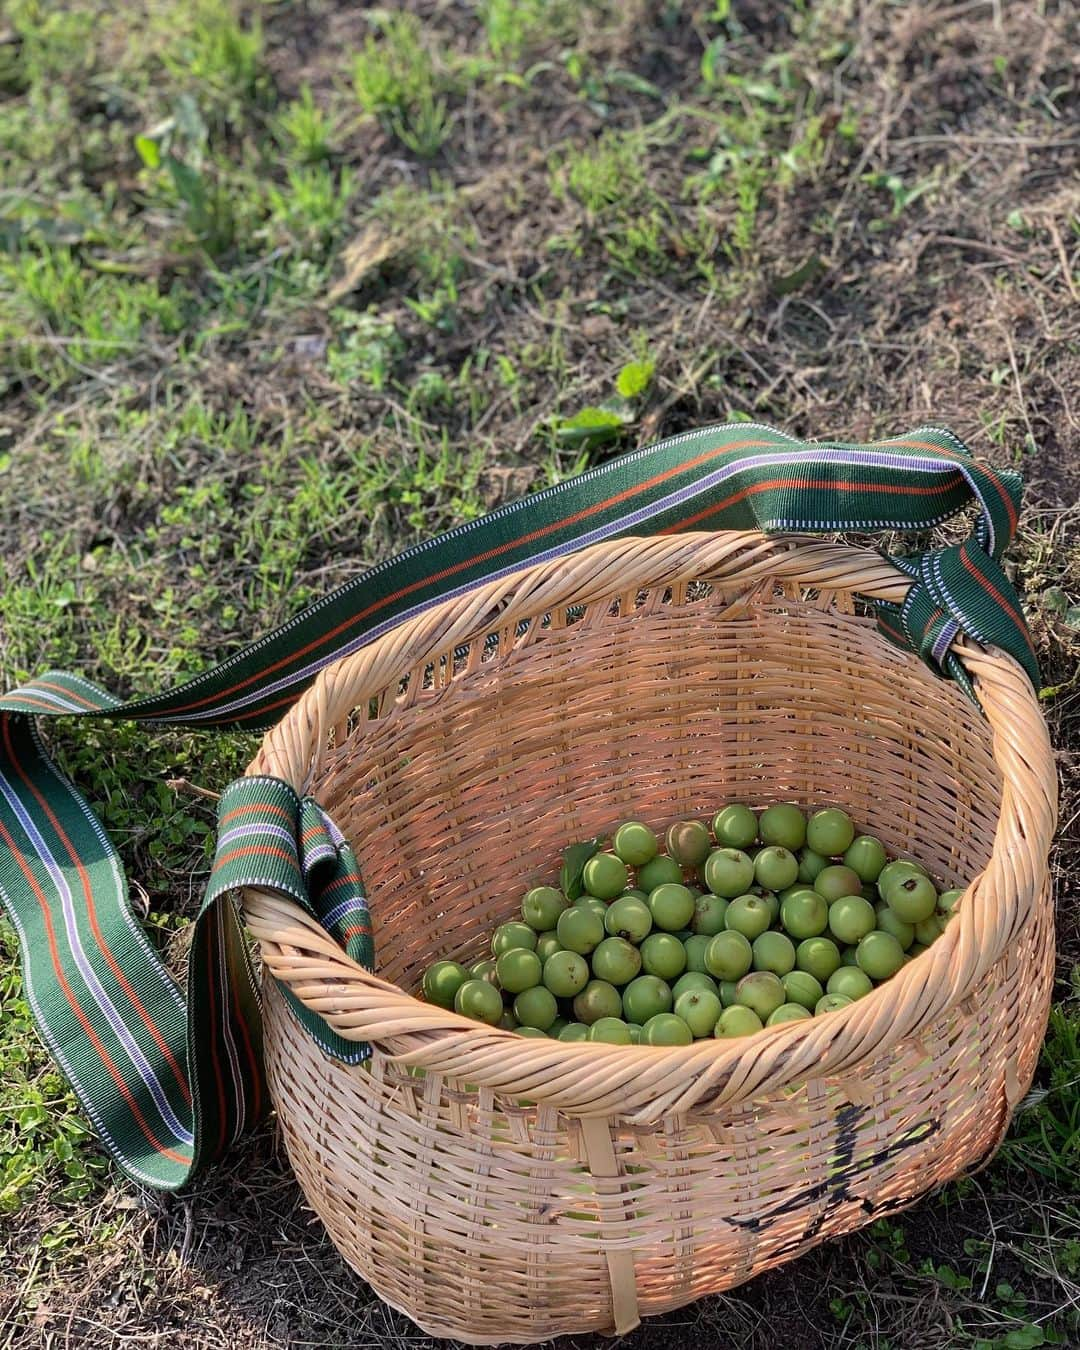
column 764, row 919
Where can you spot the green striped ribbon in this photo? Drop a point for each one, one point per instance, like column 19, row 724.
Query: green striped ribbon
column 169, row 1083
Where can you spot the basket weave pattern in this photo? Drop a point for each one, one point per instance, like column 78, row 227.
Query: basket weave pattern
column 518, row 1189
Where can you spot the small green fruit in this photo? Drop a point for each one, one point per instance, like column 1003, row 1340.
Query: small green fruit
column 542, row 906
column 735, row 826
column 660, row 871
column 536, row 1007
column 610, row 1030
column 484, row 970
column 804, row 914
column 728, row 955
column 775, row 952
column 689, row 842
column 671, row 907
column 896, row 870
column 580, row 930
column 598, row 999
column 644, row 998
column 947, row 901
column 663, row 955
column 911, row 897
column 866, row 857
column 507, row 1022
column 851, row 918
column 532, row 1031
column 929, row 930
column 709, row 911
column 696, row 946
column 801, row 987
column 693, row 979
column 700, row 1009
column 604, row 876
column 888, row 922
column 879, row 955
column 616, row 961
column 749, row 915
column 547, row 944
column 726, row 991
column 784, row 824
column 635, row 843
column 628, row 918
column 442, row 981
column 829, row 832
column 737, row 1020
column 831, row 1003
column 850, row 981
column 788, row 1012
column 518, row 970
column 666, row 1029
column 480, row 1001
column 574, row 1031
column 510, row 935
column 818, row 956
column 835, row 881
column 810, row 864
column 728, row 872
column 762, row 992
column 775, row 867
column 566, row 974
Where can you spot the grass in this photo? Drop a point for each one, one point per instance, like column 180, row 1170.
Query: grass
column 285, row 287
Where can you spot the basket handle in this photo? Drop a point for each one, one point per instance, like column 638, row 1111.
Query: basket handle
column 169, row 1085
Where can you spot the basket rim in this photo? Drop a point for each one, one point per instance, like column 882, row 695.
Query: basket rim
column 644, row 1082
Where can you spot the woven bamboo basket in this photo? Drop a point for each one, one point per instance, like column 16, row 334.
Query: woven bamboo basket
column 520, row 1189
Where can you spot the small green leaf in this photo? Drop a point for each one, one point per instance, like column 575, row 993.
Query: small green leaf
column 635, row 377
column 574, row 860
column 593, row 424
column 808, row 271
column 149, row 151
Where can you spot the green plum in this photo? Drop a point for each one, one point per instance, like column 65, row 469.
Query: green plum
column 616, row 961
column 818, row 956
column 566, row 974
column 693, row 979
column 735, row 826
column 700, row 1009
column 671, row 907
column 442, row 981
column 726, row 989
column 574, row 1031
column 644, row 998
column 728, row 955
column 628, row 918
column 518, row 970
column 709, row 911
column 666, row 1029
column 831, row 1003
column 531, row 1031
column 689, row 842
column 547, row 944
column 775, row 867
column 850, row 981
column 947, row 901
column 737, row 1020
column 775, row 952
column 810, row 864
column 851, row 918
column 728, row 872
column 663, row 955
column 484, row 970
column 635, row 844
column 604, row 876
column 507, row 1022
column 895, row 870
column 635, row 1033
column 784, row 824
column 835, row 881
column 888, row 922
column 749, row 915
column 542, row 906
column 536, row 1007
column 801, row 987
column 929, row 930
column 480, row 1001
column 788, row 1012
column 879, row 955
column 580, row 930
column 804, row 914
column 760, row 991
column 696, row 945
column 911, row 897
column 659, row 871
column 866, row 857
column 598, row 999
column 510, row 935
column 829, row 832
column 610, row 1030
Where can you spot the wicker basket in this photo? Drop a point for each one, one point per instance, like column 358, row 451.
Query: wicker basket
column 520, row 1189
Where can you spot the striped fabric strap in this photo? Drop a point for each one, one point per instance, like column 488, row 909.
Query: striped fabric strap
column 169, row 1083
